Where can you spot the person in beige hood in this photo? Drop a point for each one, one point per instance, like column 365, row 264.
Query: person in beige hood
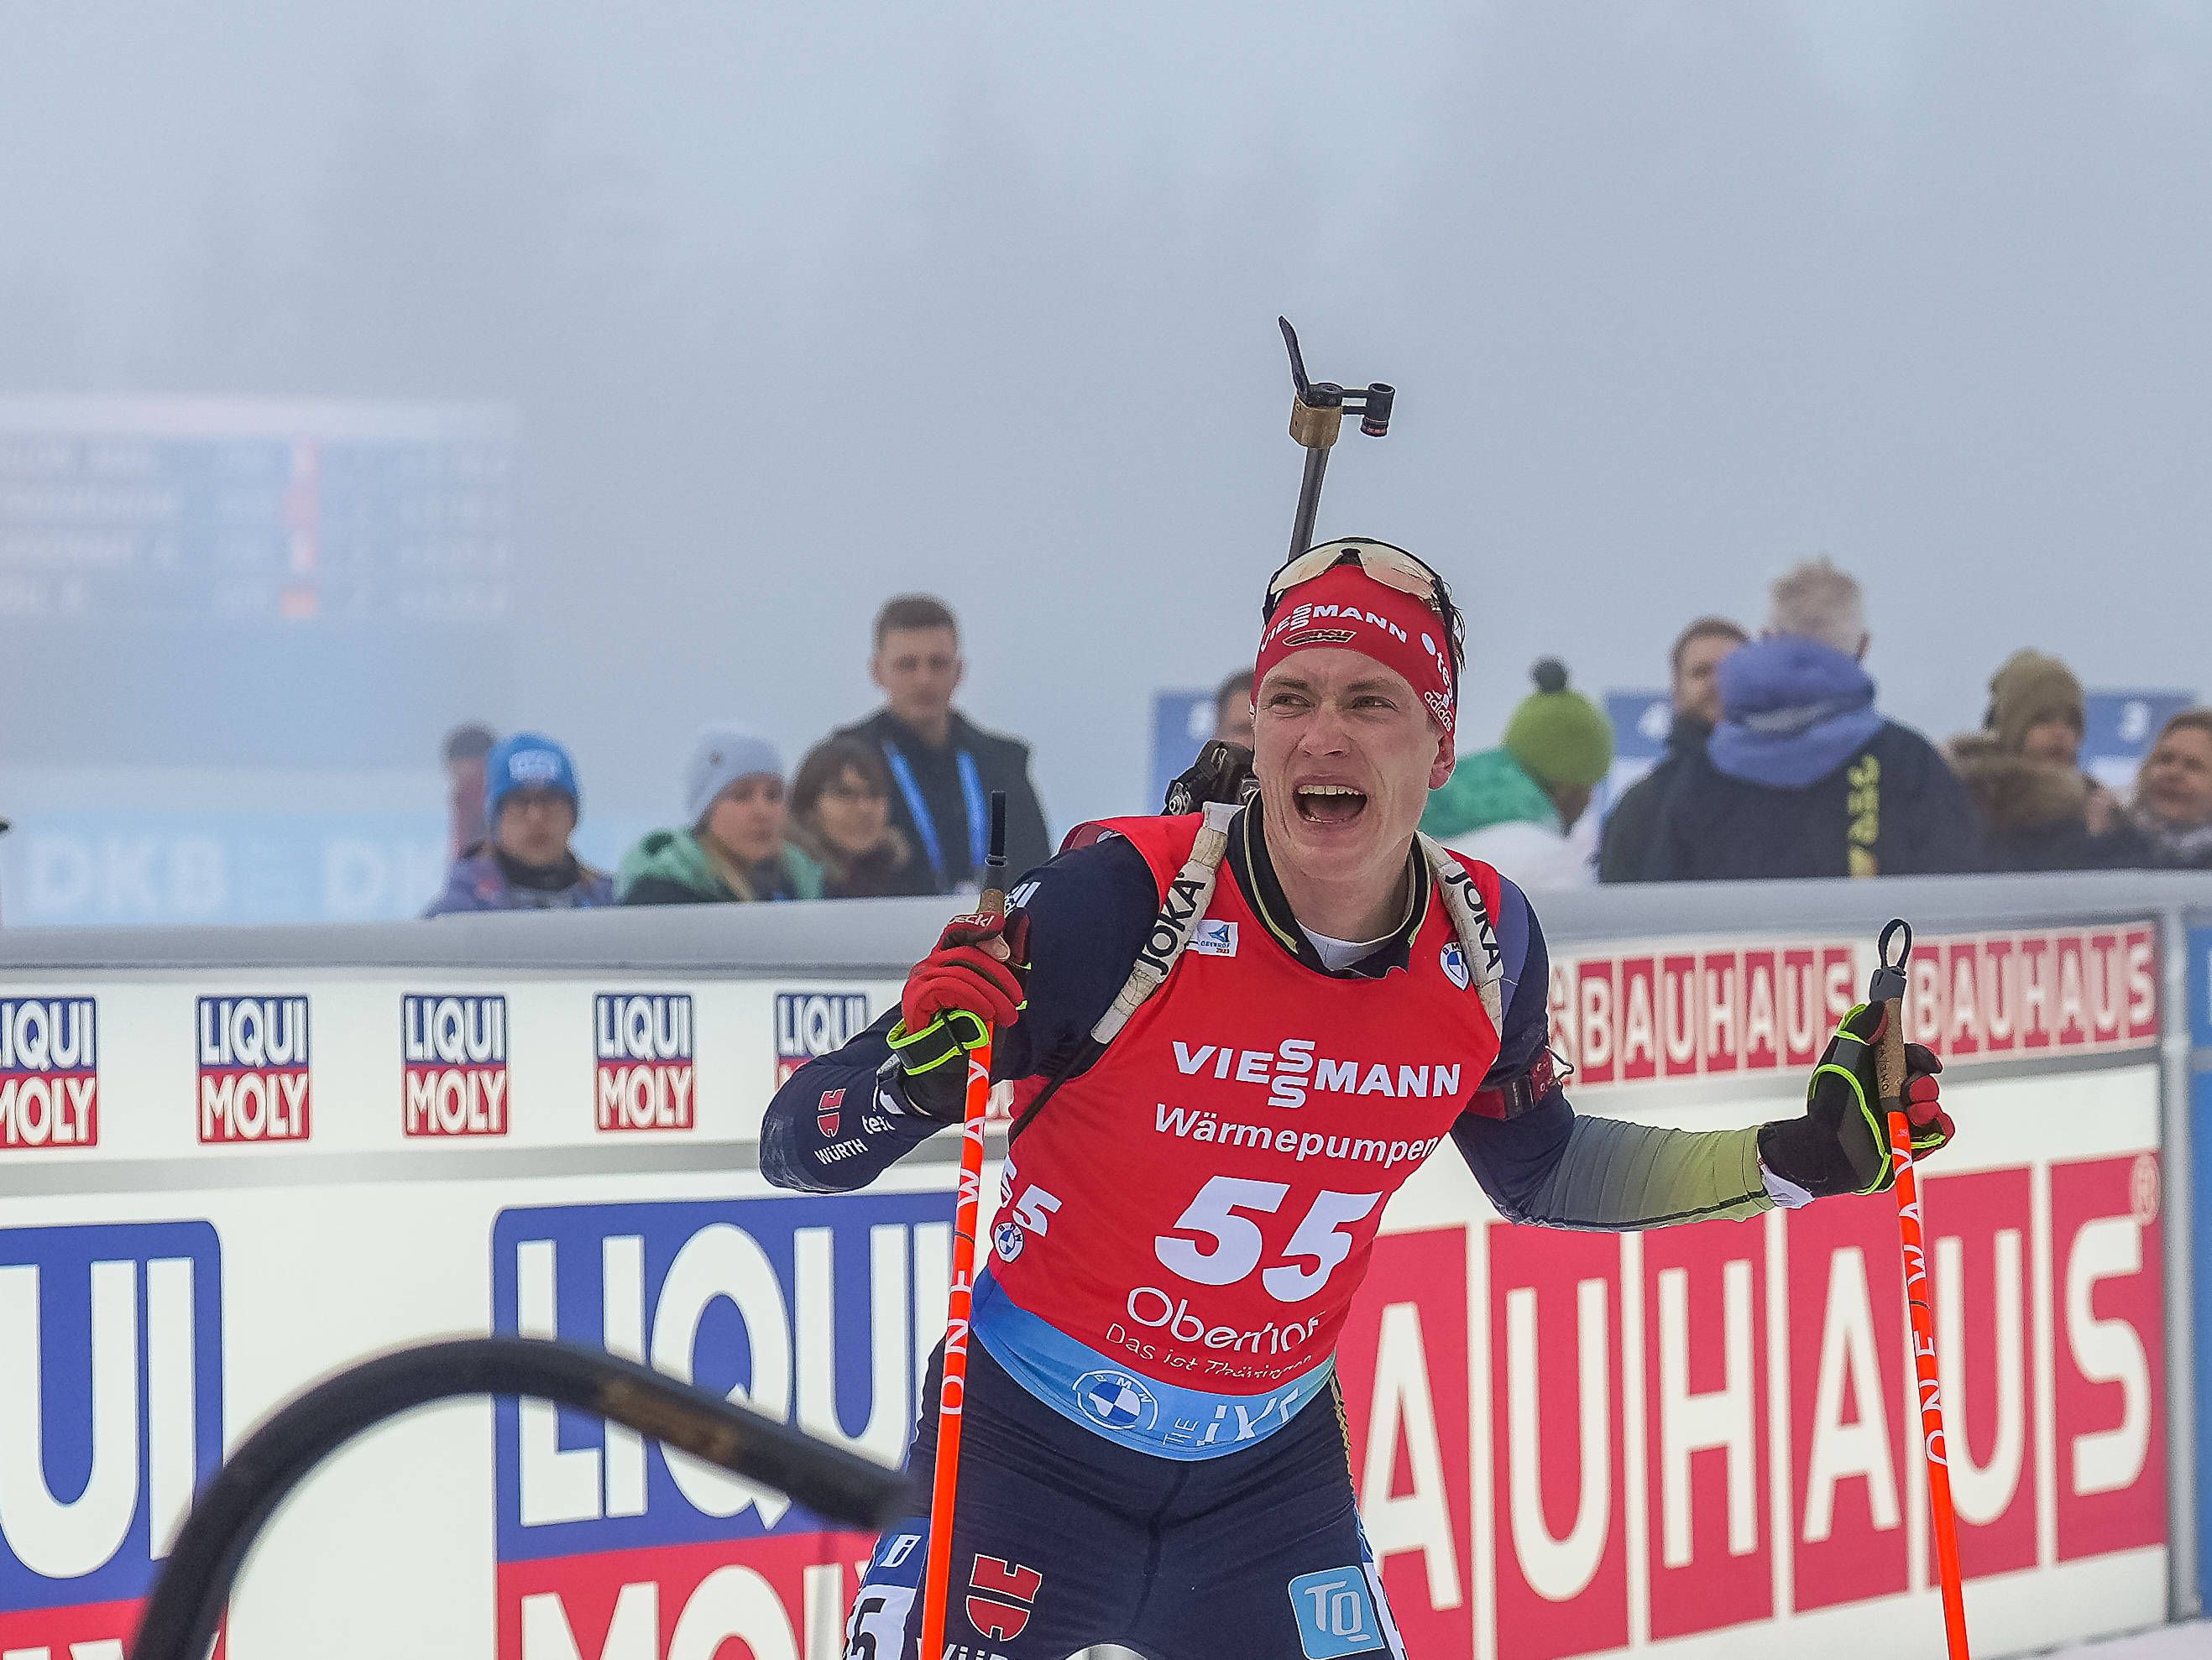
column 2039, row 810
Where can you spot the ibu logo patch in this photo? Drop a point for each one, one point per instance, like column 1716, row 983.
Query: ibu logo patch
column 1114, row 1399
column 1453, row 962
column 1215, row 939
column 1335, row 1614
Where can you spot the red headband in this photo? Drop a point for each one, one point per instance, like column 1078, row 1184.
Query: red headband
column 1347, row 608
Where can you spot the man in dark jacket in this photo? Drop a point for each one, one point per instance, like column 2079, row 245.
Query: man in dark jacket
column 1632, row 826
column 1803, row 777
column 944, row 768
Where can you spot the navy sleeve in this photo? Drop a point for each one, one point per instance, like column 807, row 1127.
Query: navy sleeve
column 1089, row 911
column 1512, row 1158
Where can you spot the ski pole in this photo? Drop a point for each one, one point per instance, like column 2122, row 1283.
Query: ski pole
column 1888, row 990
column 936, row 1583
column 1317, row 411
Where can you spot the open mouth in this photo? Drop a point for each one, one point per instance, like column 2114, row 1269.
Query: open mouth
column 1329, row 804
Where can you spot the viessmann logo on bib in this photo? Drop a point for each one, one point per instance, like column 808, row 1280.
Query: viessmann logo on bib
column 1292, row 1070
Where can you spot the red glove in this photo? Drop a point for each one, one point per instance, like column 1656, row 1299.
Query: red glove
column 977, row 969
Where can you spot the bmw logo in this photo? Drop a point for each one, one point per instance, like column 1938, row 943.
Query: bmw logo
column 1114, row 1399
column 1007, row 1240
column 1453, row 962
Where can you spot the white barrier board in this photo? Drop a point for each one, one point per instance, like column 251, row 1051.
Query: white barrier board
column 1696, row 1441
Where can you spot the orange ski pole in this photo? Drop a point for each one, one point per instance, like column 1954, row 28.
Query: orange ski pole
column 1888, row 990
column 937, row 1574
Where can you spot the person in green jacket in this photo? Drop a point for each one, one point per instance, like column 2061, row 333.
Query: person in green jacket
column 1515, row 806
column 734, row 852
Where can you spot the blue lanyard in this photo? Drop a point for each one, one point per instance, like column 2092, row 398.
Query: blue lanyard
column 924, row 825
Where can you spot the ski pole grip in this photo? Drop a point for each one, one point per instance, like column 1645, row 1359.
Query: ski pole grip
column 993, row 900
column 1888, row 989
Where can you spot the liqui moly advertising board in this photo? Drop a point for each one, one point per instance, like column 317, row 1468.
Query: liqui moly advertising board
column 820, row 1311
column 809, row 1024
column 454, row 1076
column 49, row 1073
column 111, row 1418
column 644, row 1074
column 254, row 1071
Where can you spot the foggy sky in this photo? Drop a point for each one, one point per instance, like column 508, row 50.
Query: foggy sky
column 801, row 305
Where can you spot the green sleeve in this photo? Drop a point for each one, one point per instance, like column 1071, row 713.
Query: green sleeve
column 1615, row 1177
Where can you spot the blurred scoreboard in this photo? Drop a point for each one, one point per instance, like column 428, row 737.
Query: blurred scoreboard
column 207, row 582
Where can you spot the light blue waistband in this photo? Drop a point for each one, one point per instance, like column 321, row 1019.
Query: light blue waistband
column 1143, row 1414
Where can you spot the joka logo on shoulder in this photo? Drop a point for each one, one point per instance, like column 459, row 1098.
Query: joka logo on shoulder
column 252, row 1068
column 453, row 1055
column 812, row 1024
column 49, row 1073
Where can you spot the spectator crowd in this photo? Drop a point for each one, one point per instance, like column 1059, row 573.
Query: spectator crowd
column 1779, row 764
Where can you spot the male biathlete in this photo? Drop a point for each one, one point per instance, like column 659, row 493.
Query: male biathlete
column 1232, row 1036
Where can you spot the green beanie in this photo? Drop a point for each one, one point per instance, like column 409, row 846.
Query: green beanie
column 1560, row 735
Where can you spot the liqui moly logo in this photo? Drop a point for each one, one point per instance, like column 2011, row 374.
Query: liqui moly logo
column 253, row 1068
column 645, row 1078
column 1716, row 1426
column 453, row 1065
column 819, row 1312
column 111, row 1417
column 809, row 1024
column 49, row 1073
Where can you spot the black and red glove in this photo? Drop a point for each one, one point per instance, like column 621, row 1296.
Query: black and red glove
column 1841, row 1144
column 973, row 981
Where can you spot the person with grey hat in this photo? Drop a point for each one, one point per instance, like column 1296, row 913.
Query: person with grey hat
column 734, row 850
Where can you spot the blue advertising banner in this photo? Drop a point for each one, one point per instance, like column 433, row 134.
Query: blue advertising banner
column 118, row 868
column 2200, row 988
column 1641, row 719
column 2121, row 725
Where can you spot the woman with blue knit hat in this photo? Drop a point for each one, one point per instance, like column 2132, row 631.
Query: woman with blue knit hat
column 524, row 863
column 734, row 850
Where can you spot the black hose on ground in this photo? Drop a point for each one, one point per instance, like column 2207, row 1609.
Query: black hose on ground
column 195, row 1584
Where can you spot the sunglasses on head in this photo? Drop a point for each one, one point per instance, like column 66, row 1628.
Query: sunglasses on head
column 1394, row 568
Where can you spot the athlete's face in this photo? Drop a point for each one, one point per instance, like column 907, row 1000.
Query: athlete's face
column 1346, row 756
